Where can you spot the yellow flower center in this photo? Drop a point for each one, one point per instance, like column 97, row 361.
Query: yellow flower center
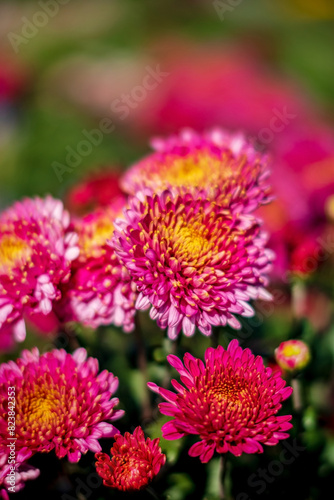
column 41, row 408
column 14, row 252
column 95, row 237
column 193, row 239
column 226, row 391
column 195, row 170
column 291, row 350
column 190, row 241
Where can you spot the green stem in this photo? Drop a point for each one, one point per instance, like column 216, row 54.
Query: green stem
column 296, row 395
column 222, row 477
column 298, row 298
column 171, row 348
column 215, row 336
column 151, row 491
column 147, row 413
column 67, row 339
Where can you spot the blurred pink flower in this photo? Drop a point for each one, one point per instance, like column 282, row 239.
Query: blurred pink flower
column 303, row 183
column 223, row 165
column 36, row 251
column 100, row 291
column 209, row 86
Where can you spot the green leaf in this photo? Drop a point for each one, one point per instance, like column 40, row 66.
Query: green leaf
column 328, row 452
column 182, row 485
column 170, row 448
column 310, row 419
column 137, row 384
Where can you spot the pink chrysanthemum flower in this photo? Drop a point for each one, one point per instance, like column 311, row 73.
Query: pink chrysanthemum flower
column 133, row 463
column 225, row 165
column 194, row 262
column 36, row 252
column 292, row 355
column 100, row 291
column 13, row 478
column 62, row 404
column 231, row 402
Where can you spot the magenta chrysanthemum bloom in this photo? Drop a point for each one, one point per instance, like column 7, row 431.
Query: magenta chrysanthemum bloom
column 62, row 404
column 230, row 402
column 193, row 261
column 36, row 252
column 221, row 163
column 133, row 463
column 100, row 291
column 13, row 478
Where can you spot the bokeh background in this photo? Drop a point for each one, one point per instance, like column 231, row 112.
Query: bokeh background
column 76, row 102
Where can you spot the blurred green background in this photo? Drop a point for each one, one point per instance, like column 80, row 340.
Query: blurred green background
column 117, row 39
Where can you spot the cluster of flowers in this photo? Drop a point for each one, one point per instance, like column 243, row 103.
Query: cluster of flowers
column 210, row 84
column 230, row 401
column 183, row 241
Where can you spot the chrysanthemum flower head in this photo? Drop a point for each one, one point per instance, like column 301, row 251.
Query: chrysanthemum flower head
column 222, row 164
column 230, row 401
column 133, row 463
column 100, row 291
column 193, row 261
column 292, row 355
column 36, row 251
column 62, row 404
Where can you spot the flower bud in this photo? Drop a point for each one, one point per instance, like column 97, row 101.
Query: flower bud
column 292, row 355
